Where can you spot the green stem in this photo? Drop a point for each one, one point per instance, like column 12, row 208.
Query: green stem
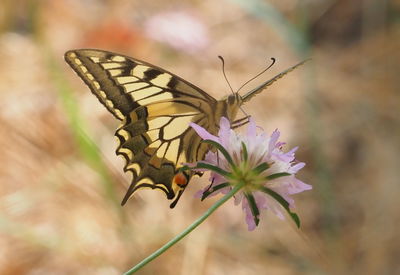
column 187, row 230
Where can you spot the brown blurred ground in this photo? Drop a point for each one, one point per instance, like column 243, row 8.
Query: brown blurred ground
column 59, row 203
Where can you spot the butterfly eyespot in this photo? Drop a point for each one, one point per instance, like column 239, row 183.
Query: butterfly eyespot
column 180, row 180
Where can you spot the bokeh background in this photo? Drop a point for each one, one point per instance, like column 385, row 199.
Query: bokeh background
column 61, row 182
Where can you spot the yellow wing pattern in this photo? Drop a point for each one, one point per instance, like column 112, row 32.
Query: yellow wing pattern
column 155, row 107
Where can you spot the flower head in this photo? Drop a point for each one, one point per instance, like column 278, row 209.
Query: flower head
column 256, row 161
column 179, row 29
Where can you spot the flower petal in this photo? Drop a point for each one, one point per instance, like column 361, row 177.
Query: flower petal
column 224, row 133
column 203, row 133
column 299, row 186
column 273, row 140
column 287, row 157
column 295, row 168
column 251, row 225
column 252, row 128
column 268, row 188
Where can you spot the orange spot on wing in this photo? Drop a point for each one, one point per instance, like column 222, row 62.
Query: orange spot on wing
column 180, row 179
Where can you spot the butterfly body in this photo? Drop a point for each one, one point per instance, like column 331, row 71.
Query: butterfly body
column 155, row 108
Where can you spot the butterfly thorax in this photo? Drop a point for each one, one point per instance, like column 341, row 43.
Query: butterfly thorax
column 228, row 107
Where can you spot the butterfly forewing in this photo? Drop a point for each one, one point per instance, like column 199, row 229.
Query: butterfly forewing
column 155, row 107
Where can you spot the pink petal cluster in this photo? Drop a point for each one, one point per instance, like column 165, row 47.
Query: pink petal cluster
column 261, row 148
column 181, row 30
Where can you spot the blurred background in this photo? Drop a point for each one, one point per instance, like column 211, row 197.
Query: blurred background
column 61, row 183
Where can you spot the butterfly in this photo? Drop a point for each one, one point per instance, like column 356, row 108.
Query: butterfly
column 155, row 108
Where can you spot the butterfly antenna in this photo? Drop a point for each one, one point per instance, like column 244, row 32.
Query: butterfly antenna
column 223, row 71
column 263, row 71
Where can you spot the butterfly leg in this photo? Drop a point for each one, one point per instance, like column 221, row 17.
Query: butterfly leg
column 208, row 187
column 240, row 122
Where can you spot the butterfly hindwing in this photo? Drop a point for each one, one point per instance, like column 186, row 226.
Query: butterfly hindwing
column 154, row 148
column 155, row 107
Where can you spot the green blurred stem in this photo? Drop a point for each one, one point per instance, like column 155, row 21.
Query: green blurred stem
column 187, row 230
column 88, row 149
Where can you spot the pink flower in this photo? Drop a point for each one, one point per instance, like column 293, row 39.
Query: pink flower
column 257, row 160
column 178, row 29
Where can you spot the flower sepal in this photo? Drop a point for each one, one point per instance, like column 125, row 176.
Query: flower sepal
column 277, row 175
column 282, row 202
column 261, row 168
column 253, row 207
column 211, row 189
column 222, row 150
column 216, row 169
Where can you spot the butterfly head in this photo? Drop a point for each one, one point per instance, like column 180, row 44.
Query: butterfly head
column 232, row 103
